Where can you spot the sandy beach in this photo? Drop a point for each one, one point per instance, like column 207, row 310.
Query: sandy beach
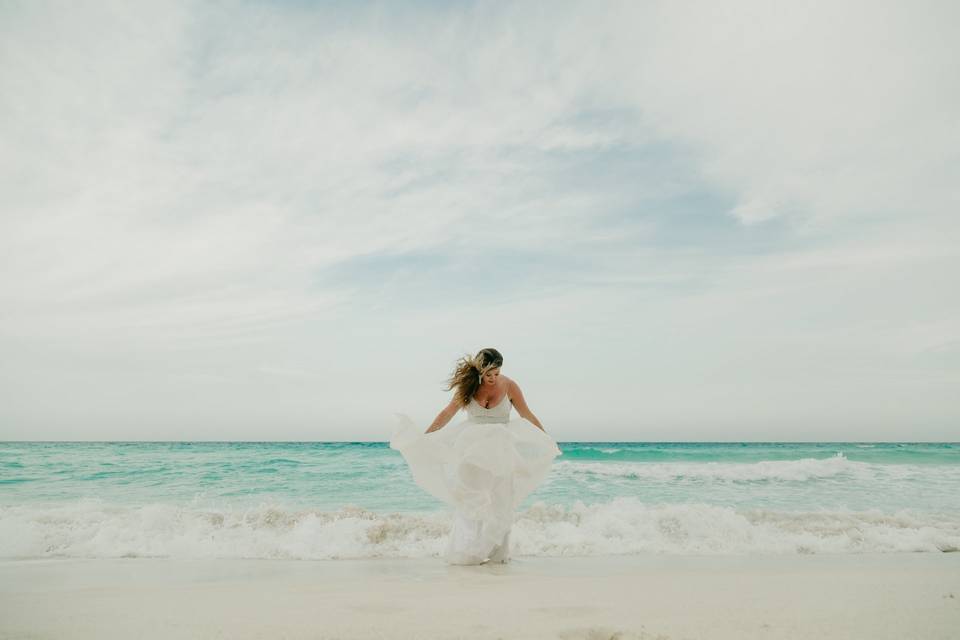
column 875, row 596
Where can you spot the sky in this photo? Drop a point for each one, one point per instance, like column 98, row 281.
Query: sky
column 287, row 220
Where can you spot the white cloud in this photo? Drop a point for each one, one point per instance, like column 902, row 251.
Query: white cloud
column 821, row 112
column 177, row 176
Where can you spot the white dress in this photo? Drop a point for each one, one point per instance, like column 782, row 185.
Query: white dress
column 483, row 466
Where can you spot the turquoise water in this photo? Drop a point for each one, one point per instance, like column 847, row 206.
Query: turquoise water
column 281, row 499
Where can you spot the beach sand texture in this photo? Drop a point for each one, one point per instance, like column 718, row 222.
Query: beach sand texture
column 822, row 596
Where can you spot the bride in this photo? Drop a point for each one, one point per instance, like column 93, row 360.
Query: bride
column 483, row 466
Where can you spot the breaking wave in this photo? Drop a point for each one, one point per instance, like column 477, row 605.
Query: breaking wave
column 765, row 470
column 94, row 528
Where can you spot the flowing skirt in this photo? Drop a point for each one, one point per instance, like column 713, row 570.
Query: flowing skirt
column 482, row 469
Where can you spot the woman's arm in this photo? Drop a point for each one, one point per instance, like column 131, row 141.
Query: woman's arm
column 516, row 396
column 445, row 415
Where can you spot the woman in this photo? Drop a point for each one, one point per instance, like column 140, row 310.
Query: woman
column 483, row 466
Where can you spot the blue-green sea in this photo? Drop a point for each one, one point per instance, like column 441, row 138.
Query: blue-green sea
column 327, row 500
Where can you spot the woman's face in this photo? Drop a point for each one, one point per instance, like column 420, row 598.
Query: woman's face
column 490, row 377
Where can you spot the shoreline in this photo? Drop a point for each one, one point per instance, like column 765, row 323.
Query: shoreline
column 653, row 596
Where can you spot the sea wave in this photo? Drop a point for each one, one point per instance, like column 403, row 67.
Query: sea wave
column 765, row 470
column 93, row 528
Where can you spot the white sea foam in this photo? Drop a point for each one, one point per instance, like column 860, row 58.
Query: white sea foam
column 92, row 528
column 764, row 470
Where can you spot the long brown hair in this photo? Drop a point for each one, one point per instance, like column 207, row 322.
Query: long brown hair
column 469, row 371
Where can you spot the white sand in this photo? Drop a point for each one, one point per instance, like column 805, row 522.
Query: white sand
column 869, row 596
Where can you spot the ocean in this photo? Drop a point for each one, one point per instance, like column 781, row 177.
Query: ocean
column 338, row 500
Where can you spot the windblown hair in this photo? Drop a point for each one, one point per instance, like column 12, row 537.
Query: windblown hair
column 466, row 377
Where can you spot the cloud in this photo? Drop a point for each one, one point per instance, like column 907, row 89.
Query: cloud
column 744, row 199
column 818, row 112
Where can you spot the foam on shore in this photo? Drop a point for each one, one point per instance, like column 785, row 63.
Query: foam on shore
column 92, row 528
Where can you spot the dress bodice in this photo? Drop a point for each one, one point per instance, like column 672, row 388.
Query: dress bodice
column 499, row 413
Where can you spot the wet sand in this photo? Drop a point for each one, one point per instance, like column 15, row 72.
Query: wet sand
column 875, row 596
